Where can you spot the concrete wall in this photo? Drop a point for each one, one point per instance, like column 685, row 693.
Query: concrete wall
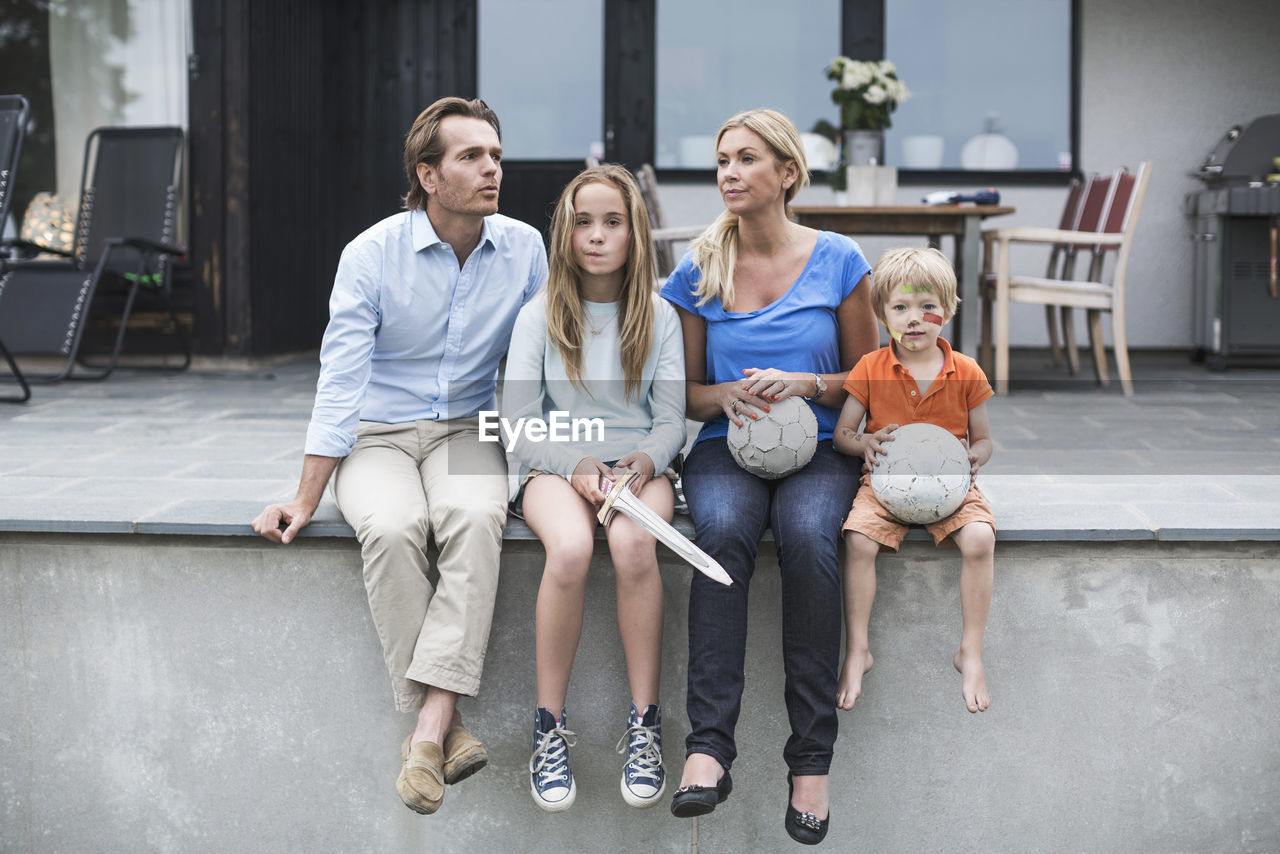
column 204, row 694
column 1161, row 82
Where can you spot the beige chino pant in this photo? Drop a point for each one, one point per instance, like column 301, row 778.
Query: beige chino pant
column 401, row 485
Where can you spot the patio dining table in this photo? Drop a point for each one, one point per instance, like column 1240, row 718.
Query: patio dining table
column 962, row 222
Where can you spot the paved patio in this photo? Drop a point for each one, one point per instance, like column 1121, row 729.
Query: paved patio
column 1193, row 455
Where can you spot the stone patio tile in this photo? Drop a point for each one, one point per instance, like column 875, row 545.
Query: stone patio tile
column 74, row 514
column 119, row 464
column 286, row 470
column 166, row 490
column 1254, row 488
column 232, row 517
column 21, row 486
column 1053, row 462
column 1200, row 521
column 1116, row 492
column 1021, row 521
column 254, row 441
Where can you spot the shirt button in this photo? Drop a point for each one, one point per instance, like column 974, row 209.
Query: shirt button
column 913, row 394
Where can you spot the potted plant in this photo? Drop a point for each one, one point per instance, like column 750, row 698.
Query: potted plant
column 867, row 93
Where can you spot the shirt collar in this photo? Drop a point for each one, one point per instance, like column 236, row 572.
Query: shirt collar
column 424, row 234
column 948, row 358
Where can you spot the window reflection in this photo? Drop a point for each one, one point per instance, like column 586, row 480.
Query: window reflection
column 541, row 68
column 716, row 59
column 990, row 84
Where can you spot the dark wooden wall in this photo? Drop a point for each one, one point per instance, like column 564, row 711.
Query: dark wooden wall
column 298, row 114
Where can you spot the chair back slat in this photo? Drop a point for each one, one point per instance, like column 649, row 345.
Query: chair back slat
column 1071, row 207
column 13, row 127
column 1095, row 202
column 1118, row 208
column 1070, row 213
column 648, row 182
column 129, row 190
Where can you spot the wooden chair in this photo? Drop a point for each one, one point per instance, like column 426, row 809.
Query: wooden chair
column 1082, row 211
column 1112, row 231
column 664, row 237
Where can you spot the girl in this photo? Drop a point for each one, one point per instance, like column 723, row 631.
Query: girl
column 598, row 344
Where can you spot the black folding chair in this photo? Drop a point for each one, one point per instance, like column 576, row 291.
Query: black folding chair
column 13, row 128
column 124, row 233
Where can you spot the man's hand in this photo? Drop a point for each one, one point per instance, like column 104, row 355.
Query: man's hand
column 293, row 515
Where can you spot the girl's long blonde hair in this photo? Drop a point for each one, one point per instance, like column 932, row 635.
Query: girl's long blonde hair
column 715, row 251
column 566, row 317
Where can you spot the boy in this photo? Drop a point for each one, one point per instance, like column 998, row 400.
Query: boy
column 917, row 378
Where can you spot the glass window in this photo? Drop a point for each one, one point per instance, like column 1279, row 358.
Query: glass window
column 541, row 68
column 990, row 84
column 716, row 59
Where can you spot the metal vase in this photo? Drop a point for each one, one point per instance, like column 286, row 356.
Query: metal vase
column 864, row 147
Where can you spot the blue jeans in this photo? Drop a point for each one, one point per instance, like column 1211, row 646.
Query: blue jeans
column 730, row 510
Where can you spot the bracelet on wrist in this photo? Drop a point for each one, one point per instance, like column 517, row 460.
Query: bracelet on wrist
column 819, row 386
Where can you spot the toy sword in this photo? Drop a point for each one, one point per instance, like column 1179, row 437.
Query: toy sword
column 620, row 497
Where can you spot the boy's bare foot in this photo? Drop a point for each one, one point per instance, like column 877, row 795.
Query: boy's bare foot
column 856, row 665
column 973, row 681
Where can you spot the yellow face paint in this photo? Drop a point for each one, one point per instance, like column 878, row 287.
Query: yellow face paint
column 894, row 334
column 915, row 289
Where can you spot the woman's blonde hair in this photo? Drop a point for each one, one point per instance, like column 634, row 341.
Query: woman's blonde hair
column 715, row 252
column 566, row 317
column 914, row 268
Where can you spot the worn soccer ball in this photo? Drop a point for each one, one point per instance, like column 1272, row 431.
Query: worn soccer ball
column 781, row 441
column 923, row 475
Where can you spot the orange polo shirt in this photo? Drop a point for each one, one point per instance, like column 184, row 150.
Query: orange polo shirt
column 891, row 396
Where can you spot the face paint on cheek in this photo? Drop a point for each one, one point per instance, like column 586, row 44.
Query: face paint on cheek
column 933, row 318
column 895, row 335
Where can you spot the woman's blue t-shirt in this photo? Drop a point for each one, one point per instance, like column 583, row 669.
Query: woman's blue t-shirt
column 797, row 332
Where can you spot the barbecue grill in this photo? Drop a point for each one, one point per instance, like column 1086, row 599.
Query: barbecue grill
column 1237, row 306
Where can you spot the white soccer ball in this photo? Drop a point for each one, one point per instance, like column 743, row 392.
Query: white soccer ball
column 781, row 441
column 923, row 474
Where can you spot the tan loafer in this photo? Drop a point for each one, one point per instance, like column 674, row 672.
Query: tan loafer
column 421, row 781
column 464, row 755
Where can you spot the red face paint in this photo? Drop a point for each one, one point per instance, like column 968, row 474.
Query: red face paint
column 932, row 318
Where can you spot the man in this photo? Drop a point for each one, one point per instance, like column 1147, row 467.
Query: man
column 421, row 313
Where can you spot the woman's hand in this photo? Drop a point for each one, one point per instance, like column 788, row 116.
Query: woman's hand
column 774, row 385
column 639, row 462
column 587, row 480
column 738, row 403
column 875, row 446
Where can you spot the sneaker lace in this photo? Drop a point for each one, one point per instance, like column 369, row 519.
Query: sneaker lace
column 644, row 756
column 550, row 762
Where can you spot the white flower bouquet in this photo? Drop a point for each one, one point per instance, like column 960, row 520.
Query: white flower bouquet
column 866, row 92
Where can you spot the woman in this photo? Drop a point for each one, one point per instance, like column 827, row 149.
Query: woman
column 599, row 344
column 769, row 309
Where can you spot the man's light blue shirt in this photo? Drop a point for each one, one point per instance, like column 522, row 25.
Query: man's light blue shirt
column 413, row 337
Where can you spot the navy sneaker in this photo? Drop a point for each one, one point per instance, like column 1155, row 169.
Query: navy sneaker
column 643, row 777
column 550, row 779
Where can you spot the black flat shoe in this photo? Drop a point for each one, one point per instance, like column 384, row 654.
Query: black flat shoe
column 804, row 827
column 690, row 801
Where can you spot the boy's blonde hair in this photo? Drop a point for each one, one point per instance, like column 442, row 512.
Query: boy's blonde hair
column 924, row 269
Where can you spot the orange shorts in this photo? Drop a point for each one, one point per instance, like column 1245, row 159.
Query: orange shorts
column 868, row 517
